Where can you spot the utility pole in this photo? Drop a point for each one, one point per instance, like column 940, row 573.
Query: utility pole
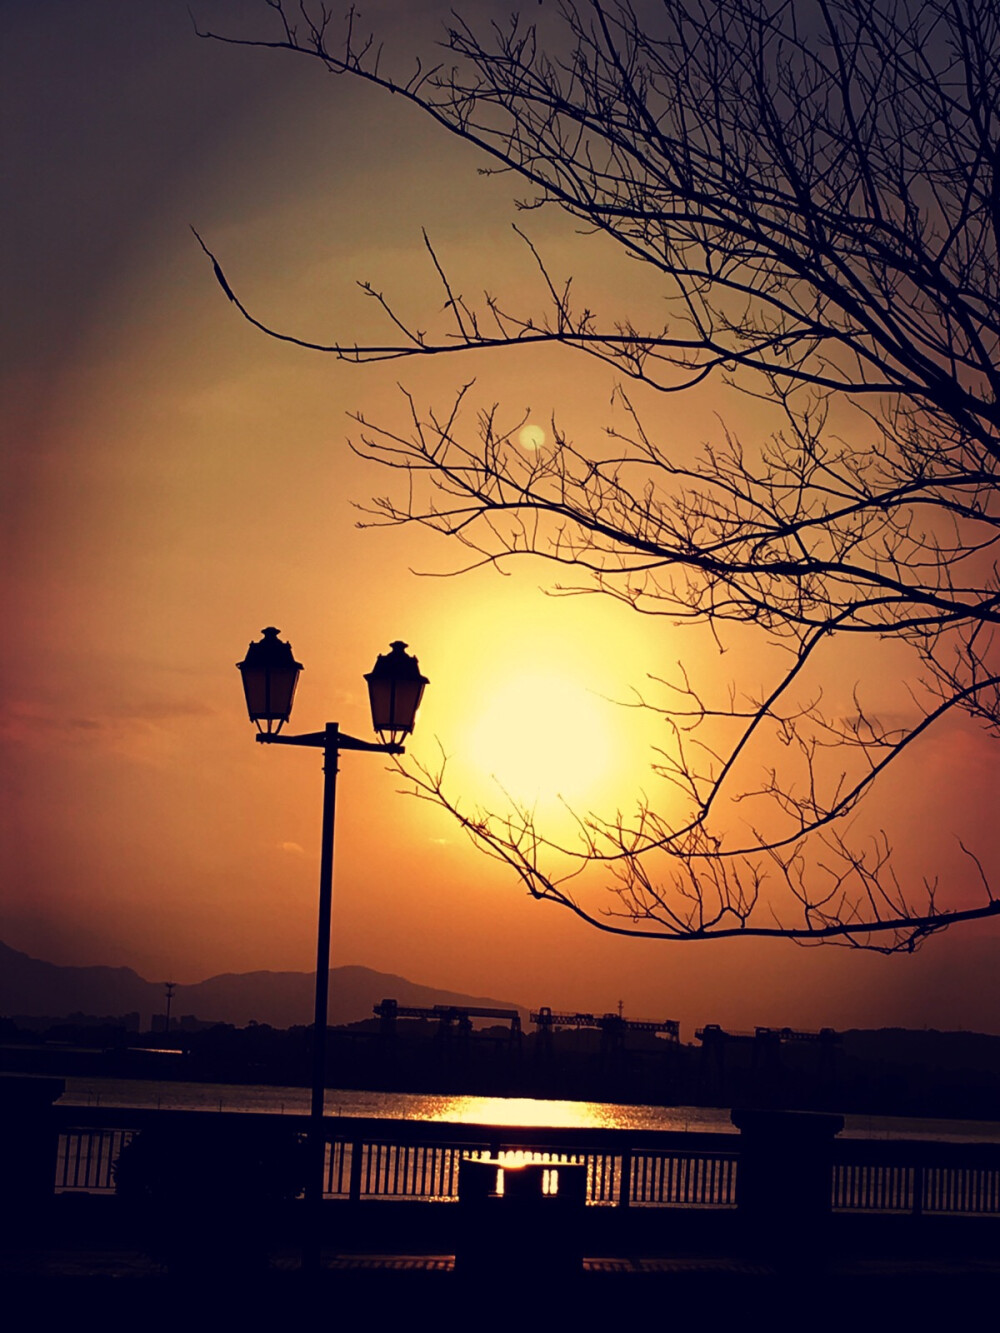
column 169, row 987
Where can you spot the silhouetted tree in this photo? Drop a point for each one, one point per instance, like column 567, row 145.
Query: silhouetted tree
column 816, row 190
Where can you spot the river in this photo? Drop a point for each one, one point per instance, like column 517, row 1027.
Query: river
column 480, row 1110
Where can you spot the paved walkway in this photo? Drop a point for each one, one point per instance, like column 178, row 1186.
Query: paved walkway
column 116, row 1262
column 82, row 1271
column 121, row 1289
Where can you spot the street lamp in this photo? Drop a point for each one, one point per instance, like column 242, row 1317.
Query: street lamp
column 395, row 686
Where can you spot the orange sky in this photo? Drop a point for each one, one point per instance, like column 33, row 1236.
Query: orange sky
column 173, row 481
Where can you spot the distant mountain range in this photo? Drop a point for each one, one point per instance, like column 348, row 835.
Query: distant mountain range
column 30, row 987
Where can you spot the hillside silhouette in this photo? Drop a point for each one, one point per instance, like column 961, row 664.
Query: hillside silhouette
column 32, row 988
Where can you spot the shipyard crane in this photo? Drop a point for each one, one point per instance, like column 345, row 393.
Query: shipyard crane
column 460, row 1015
column 610, row 1024
column 712, row 1032
column 765, row 1045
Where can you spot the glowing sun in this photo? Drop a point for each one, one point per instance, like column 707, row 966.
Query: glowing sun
column 531, row 436
column 542, row 736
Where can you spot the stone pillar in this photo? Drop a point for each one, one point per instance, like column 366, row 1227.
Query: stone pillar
column 28, row 1143
column 784, row 1185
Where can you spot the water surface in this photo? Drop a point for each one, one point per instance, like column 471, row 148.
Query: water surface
column 514, row 1111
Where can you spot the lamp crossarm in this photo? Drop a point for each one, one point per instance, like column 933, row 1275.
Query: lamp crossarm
column 319, row 740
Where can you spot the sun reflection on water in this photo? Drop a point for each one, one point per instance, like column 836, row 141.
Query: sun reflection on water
column 526, row 1112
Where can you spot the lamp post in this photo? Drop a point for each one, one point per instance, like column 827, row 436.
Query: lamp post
column 395, row 687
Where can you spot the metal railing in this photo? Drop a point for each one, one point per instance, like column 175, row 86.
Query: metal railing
column 356, row 1169
column 684, row 1180
column 85, row 1159
column 917, row 1177
column 419, row 1160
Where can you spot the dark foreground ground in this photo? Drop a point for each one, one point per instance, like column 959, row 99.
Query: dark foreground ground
column 392, row 1267
column 416, row 1292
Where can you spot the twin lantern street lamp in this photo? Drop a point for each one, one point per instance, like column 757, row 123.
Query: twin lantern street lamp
column 270, row 674
column 395, row 687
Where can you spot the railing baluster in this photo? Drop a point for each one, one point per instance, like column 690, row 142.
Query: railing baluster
column 357, row 1169
column 76, row 1161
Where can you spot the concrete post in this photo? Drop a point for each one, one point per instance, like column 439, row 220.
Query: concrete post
column 784, row 1177
column 28, row 1143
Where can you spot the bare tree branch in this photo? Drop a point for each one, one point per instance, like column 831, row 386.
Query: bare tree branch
column 816, row 190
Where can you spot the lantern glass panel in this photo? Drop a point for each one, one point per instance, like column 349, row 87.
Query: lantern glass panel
column 395, row 688
column 270, row 674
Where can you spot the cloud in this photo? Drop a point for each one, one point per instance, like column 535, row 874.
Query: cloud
column 25, row 719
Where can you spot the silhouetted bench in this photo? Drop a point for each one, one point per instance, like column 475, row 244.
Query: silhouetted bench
column 529, row 1214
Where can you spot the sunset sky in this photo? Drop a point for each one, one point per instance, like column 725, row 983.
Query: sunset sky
column 174, row 481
